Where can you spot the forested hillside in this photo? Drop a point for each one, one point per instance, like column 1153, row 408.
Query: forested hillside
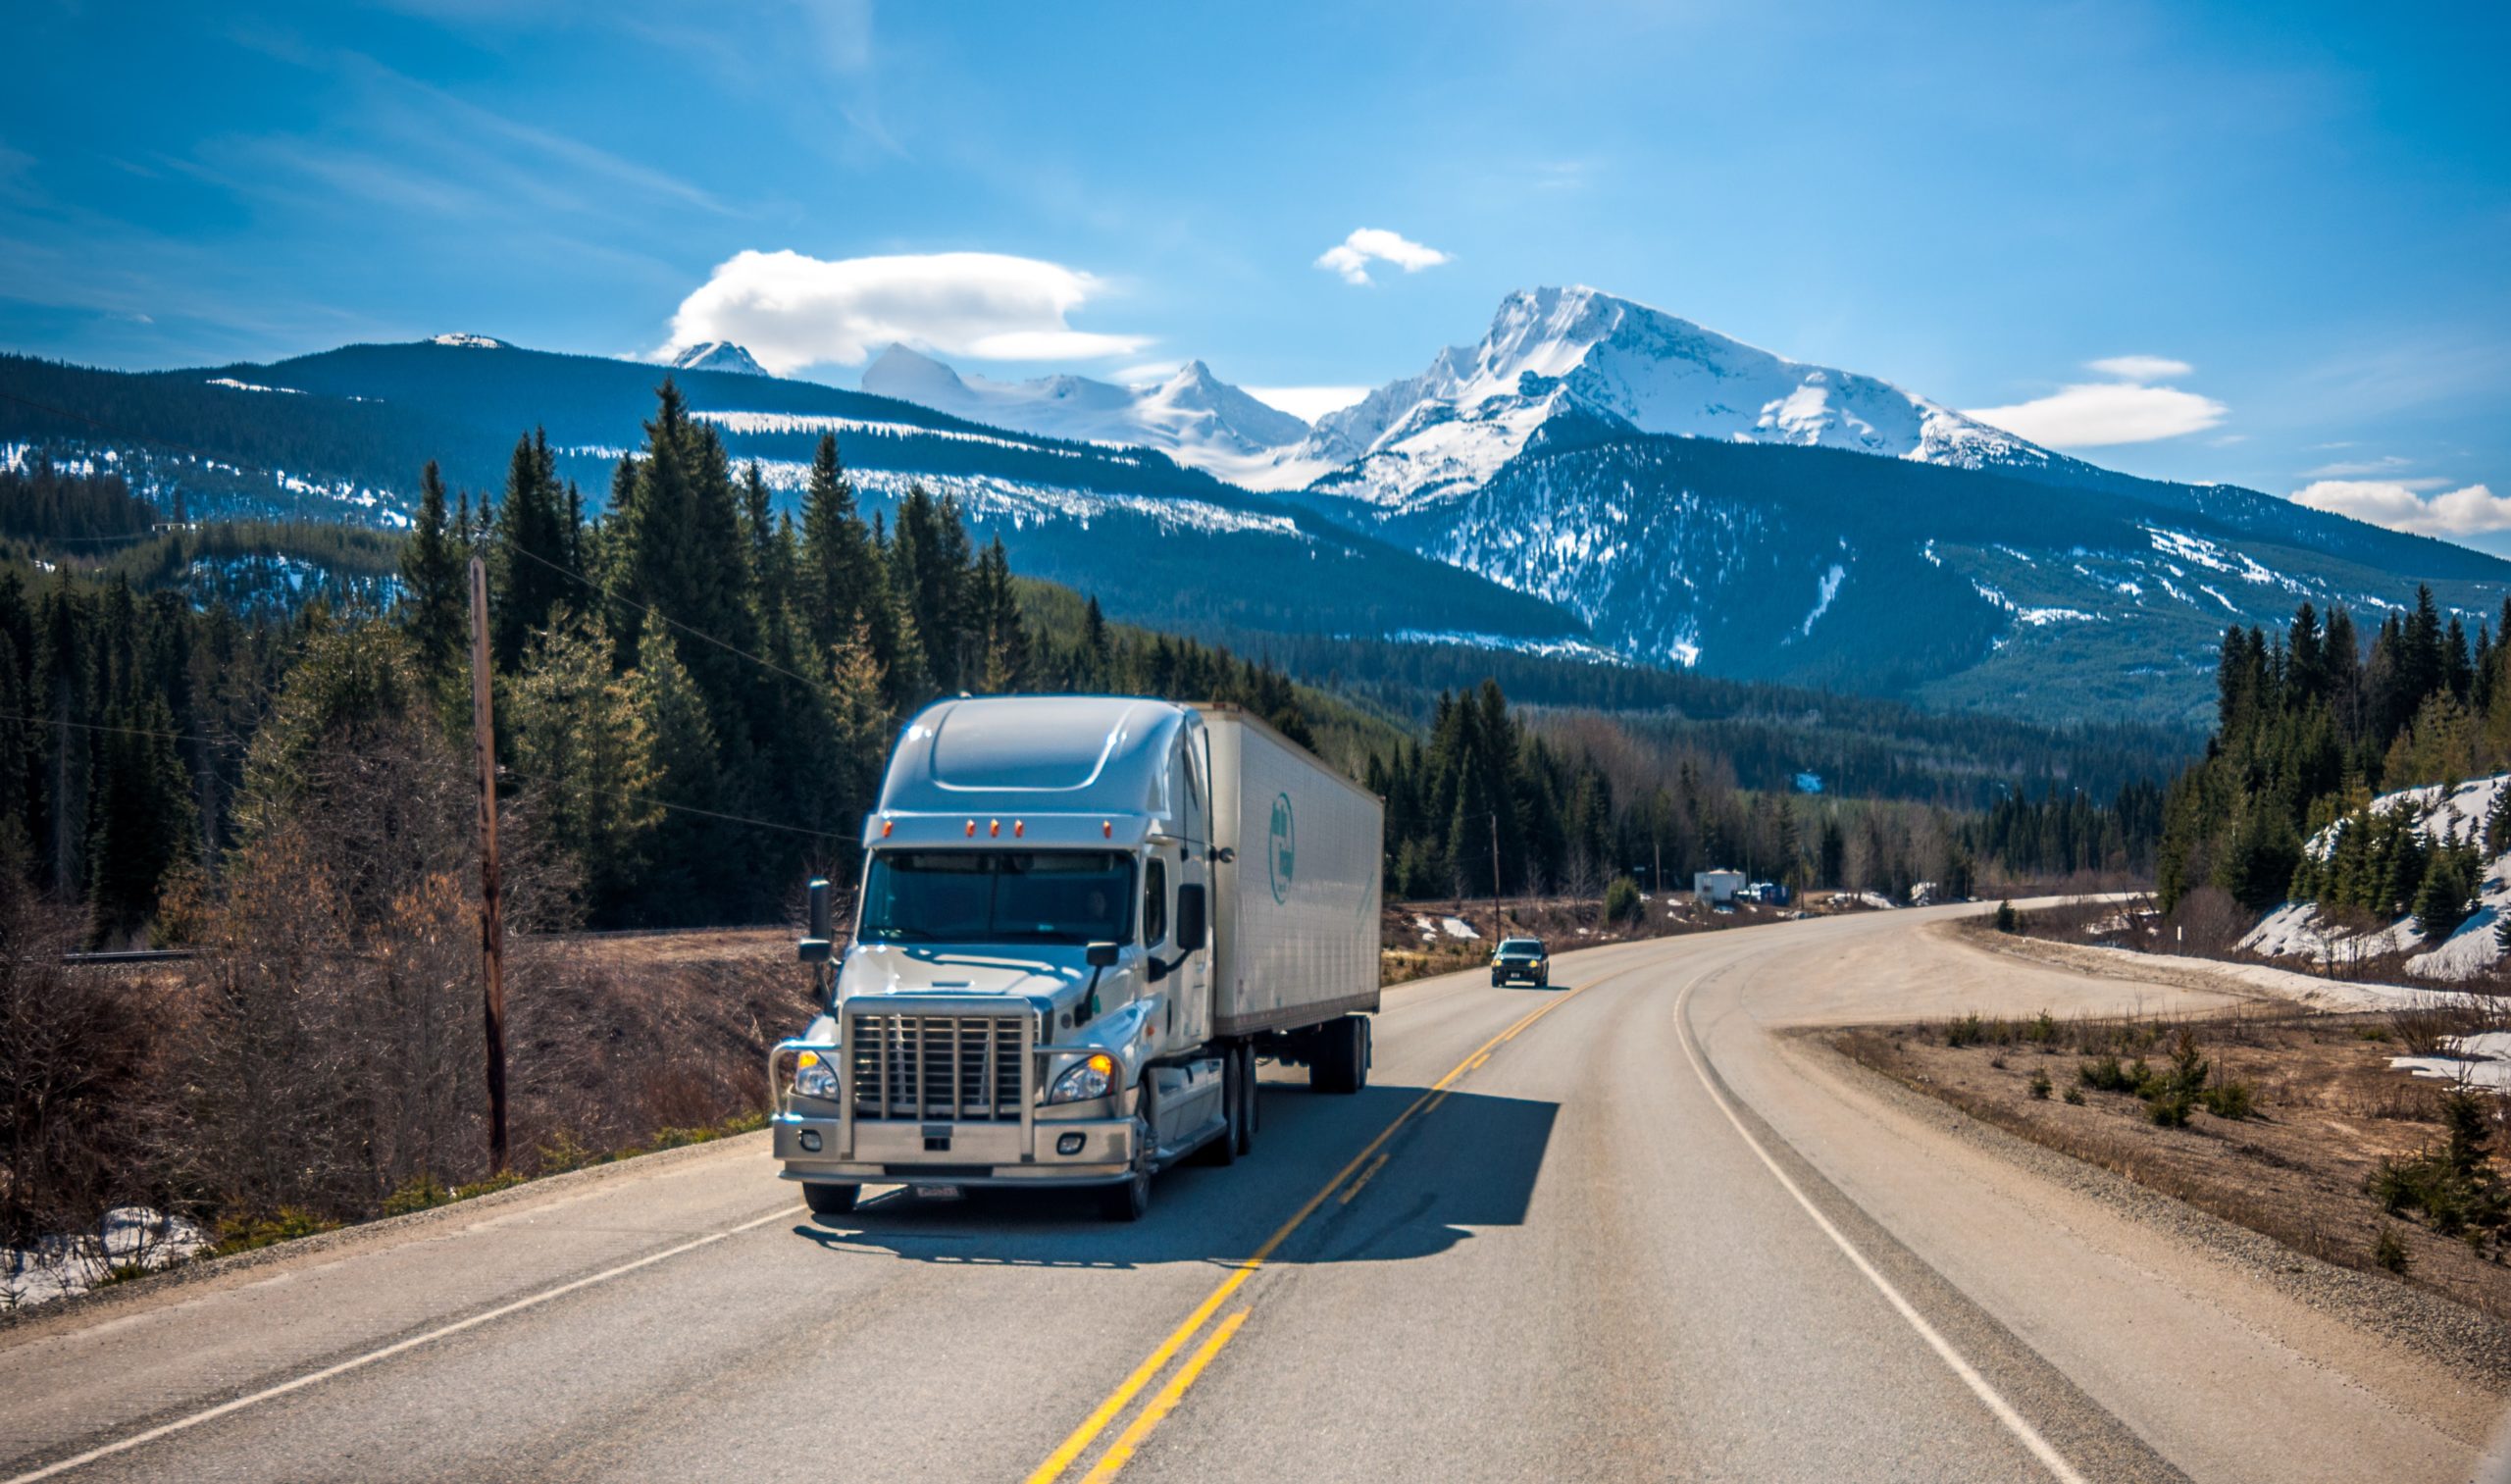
column 695, row 692
column 2314, row 722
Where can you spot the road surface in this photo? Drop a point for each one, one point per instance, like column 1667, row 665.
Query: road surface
column 1618, row 1229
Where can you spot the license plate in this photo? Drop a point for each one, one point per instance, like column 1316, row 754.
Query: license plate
column 938, row 1192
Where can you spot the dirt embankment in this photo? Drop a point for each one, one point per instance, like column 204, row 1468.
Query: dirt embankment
column 2326, row 1114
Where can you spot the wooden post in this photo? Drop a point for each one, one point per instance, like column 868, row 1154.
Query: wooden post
column 492, row 922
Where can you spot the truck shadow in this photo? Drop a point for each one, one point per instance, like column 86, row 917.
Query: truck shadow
column 1462, row 1160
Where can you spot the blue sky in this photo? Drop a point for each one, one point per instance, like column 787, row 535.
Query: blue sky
column 2265, row 244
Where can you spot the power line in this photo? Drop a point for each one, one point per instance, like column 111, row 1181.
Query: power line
column 696, row 633
column 80, row 726
column 677, row 808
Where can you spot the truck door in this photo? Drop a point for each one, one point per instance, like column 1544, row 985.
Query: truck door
column 1193, row 771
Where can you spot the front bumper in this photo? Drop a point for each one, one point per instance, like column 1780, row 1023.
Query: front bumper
column 904, row 1152
column 1531, row 973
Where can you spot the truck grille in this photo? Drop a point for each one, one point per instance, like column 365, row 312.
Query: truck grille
column 965, row 1068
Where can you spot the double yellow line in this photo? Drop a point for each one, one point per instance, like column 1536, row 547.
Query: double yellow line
column 1121, row 1451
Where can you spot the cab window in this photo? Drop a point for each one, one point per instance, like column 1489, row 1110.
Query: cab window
column 1154, row 903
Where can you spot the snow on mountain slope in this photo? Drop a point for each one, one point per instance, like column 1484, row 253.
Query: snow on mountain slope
column 1193, row 416
column 717, row 355
column 1555, row 351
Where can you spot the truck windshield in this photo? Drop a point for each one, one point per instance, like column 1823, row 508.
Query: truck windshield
column 978, row 896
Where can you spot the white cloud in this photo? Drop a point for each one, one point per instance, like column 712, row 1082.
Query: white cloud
column 2141, row 368
column 1351, row 257
column 794, row 311
column 2091, row 414
column 1308, row 403
column 2399, row 504
column 2347, row 468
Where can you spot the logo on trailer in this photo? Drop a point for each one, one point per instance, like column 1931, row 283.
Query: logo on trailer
column 1281, row 851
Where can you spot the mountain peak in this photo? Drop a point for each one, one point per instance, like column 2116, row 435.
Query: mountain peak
column 468, row 342
column 717, row 355
column 1579, row 351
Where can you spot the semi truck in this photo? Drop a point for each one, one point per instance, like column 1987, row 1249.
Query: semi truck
column 1082, row 923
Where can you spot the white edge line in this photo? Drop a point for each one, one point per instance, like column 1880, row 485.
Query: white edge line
column 141, row 1439
column 2024, row 1432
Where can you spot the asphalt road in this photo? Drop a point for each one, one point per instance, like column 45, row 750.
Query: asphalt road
column 1616, row 1229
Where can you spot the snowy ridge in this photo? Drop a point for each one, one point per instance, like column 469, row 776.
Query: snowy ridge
column 1193, row 416
column 1552, row 351
column 717, row 355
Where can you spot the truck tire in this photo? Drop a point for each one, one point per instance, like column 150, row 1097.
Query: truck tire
column 1131, row 1200
column 1248, row 1087
column 830, row 1200
column 1338, row 1061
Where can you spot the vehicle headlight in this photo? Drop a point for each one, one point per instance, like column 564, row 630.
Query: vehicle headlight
column 1094, row 1076
column 813, row 1077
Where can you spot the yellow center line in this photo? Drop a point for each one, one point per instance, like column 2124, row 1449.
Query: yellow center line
column 1122, row 1397
column 1367, row 1175
column 1121, row 1452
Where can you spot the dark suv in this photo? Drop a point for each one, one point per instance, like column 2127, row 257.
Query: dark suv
column 1521, row 958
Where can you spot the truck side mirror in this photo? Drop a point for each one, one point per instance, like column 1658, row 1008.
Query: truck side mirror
column 1099, row 955
column 1189, row 917
column 816, row 948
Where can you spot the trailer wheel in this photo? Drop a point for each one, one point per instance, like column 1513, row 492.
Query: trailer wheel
column 831, row 1199
column 1338, row 1061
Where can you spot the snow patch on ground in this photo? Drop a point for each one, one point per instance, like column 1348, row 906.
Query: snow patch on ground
column 130, row 1238
column 2296, row 929
column 2479, row 1060
column 1458, row 927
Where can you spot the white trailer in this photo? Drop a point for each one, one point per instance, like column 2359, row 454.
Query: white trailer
column 1083, row 920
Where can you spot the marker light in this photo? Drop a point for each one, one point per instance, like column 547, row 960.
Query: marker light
column 887, row 826
column 1018, row 829
column 1107, row 828
column 994, row 829
column 973, row 829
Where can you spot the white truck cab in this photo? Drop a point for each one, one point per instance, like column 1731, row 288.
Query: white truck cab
column 1040, row 990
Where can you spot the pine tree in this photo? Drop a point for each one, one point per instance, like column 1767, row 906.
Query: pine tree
column 583, row 750
column 433, row 589
column 529, row 548
column 143, row 815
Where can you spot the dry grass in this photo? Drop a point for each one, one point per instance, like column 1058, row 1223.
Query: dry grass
column 2329, row 1111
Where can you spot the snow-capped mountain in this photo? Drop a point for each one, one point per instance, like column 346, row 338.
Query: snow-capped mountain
column 1579, row 352
column 1193, row 416
column 717, row 355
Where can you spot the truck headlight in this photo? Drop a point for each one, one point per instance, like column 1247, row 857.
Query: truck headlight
column 1094, row 1076
column 813, row 1077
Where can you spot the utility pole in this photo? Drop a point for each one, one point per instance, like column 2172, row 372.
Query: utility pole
column 1497, row 932
column 492, row 921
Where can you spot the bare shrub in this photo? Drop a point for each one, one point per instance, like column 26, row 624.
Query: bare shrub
column 2207, row 923
column 75, row 1101
column 335, row 1051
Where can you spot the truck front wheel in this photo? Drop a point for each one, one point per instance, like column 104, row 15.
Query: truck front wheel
column 830, row 1200
column 1129, row 1202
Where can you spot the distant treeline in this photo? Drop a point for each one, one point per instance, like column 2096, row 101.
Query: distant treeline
column 1767, row 734
column 44, row 503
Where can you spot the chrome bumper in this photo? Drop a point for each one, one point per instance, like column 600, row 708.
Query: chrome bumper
column 970, row 1154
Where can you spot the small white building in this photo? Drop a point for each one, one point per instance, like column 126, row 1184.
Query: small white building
column 1717, row 888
